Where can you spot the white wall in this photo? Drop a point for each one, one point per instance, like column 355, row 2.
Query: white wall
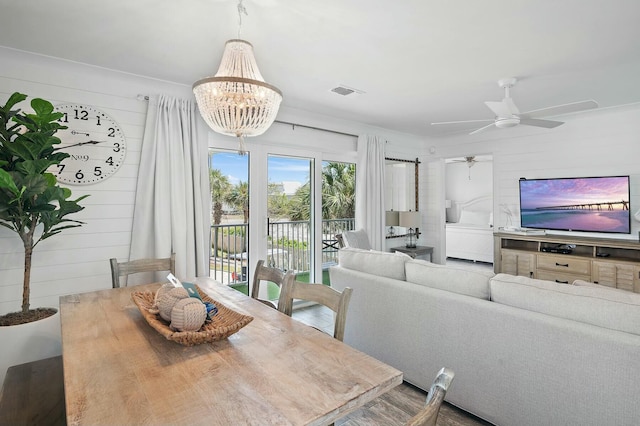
column 77, row 260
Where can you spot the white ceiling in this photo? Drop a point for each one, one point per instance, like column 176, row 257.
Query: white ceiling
column 419, row 61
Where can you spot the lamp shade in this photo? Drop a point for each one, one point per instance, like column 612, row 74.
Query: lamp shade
column 410, row 219
column 392, row 218
column 237, row 101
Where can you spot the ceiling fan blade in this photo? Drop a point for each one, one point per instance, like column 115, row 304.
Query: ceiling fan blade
column 561, row 109
column 500, row 109
column 482, row 129
column 461, row 122
column 549, row 124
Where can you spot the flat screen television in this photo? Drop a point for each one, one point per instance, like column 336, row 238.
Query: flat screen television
column 588, row 204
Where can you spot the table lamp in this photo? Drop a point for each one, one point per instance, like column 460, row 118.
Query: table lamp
column 412, row 221
column 392, row 218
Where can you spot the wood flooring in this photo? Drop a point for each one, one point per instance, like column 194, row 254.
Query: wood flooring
column 401, row 403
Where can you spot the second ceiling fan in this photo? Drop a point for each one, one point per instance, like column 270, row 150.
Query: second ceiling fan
column 507, row 113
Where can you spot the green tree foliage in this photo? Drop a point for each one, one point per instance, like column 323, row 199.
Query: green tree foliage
column 220, row 189
column 338, row 194
column 278, row 204
column 238, row 197
column 338, row 190
column 31, row 202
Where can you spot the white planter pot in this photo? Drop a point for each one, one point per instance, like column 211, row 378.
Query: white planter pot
column 29, row 342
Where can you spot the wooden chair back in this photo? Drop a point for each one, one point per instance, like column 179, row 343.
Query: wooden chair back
column 140, row 265
column 265, row 273
column 429, row 414
column 333, row 299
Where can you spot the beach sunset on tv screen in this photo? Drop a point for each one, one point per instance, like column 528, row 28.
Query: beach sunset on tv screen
column 595, row 204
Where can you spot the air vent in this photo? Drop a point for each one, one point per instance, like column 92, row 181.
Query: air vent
column 344, row 90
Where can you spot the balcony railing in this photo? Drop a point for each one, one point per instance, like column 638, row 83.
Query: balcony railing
column 289, row 248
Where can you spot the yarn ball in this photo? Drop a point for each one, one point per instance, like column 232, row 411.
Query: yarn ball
column 169, row 299
column 188, row 315
column 166, row 288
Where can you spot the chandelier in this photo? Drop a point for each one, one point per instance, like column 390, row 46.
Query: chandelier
column 237, row 101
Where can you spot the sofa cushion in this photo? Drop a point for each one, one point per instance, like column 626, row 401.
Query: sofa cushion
column 584, row 283
column 470, row 283
column 390, row 265
column 604, row 307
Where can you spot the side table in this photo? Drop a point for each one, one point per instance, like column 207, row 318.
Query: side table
column 415, row 252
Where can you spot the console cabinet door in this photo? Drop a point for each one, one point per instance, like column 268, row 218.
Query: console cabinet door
column 604, row 273
column 518, row 263
column 619, row 275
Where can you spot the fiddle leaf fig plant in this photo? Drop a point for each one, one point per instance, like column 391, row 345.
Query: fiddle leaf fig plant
column 32, row 204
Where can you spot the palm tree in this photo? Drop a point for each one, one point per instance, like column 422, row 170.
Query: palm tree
column 338, row 194
column 238, row 197
column 338, row 190
column 220, row 188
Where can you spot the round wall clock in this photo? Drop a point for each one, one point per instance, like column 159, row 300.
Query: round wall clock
column 95, row 144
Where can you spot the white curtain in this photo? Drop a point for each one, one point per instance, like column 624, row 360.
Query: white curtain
column 172, row 196
column 370, row 189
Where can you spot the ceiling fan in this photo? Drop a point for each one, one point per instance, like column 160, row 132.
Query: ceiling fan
column 507, row 113
column 471, row 160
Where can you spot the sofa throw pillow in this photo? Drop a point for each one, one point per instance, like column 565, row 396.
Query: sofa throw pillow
column 470, row 283
column 603, row 307
column 357, row 239
column 374, row 262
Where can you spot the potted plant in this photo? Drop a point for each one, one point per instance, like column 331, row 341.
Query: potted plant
column 32, row 204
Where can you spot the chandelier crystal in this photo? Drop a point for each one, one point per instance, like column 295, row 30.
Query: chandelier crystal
column 237, row 101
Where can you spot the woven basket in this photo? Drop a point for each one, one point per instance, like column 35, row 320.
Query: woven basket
column 223, row 324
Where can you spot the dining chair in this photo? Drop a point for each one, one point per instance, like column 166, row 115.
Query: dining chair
column 121, row 269
column 429, row 414
column 333, row 299
column 266, row 274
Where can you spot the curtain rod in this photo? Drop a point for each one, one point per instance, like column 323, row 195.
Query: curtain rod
column 402, row 160
column 142, row 97
column 315, row 128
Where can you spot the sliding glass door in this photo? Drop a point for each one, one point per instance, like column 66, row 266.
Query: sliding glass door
column 283, row 206
column 289, row 214
column 229, row 183
column 338, row 209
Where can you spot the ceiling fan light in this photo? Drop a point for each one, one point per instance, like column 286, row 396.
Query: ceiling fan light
column 503, row 123
column 237, row 101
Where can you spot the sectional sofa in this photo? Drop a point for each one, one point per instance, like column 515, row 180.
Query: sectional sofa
column 524, row 351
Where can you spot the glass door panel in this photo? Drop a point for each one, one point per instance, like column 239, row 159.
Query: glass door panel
column 229, row 182
column 290, row 216
column 338, row 209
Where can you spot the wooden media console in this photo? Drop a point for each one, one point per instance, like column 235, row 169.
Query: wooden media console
column 562, row 258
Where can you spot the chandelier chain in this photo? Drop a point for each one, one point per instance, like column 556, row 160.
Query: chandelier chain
column 241, row 10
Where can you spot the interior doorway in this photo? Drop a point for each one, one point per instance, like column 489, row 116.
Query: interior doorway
column 469, row 208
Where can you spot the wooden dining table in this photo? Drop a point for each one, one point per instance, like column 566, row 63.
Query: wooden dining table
column 118, row 370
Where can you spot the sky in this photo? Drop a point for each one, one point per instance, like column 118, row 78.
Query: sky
column 281, row 169
column 554, row 192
